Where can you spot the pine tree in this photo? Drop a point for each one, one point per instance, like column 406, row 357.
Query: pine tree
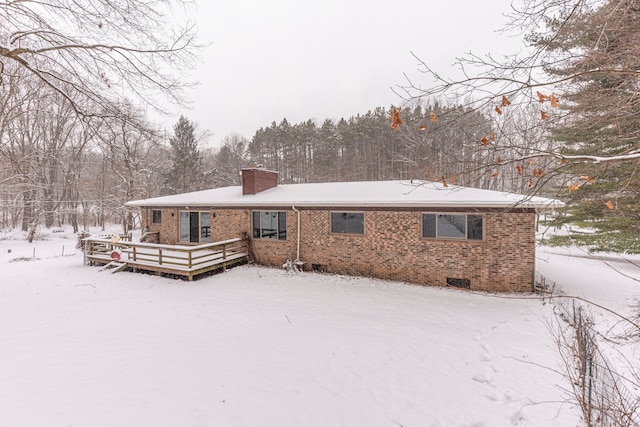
column 187, row 171
column 603, row 105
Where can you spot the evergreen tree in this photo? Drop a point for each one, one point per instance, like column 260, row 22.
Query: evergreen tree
column 187, row 171
column 604, row 111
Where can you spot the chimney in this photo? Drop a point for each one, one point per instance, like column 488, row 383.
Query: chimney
column 255, row 180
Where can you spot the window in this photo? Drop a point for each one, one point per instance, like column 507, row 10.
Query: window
column 156, row 216
column 195, row 227
column 452, row 226
column 269, row 225
column 347, row 222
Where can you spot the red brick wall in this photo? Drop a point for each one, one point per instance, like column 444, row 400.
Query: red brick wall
column 225, row 223
column 391, row 248
column 228, row 224
column 276, row 252
column 168, row 227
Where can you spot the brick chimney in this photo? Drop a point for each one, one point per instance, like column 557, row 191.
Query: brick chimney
column 255, row 180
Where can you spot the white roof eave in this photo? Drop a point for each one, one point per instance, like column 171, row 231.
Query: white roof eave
column 308, row 204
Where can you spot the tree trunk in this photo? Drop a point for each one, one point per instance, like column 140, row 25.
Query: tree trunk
column 28, row 210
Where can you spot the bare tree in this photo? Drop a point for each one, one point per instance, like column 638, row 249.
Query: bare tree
column 229, row 159
column 565, row 110
column 128, row 150
column 71, row 68
column 94, row 52
column 557, row 61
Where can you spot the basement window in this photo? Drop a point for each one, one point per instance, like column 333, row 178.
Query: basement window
column 269, row 225
column 347, row 222
column 452, row 226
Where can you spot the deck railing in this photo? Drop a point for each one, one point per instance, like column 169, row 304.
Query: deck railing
column 176, row 259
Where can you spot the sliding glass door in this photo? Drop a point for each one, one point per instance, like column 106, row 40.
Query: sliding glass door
column 195, row 227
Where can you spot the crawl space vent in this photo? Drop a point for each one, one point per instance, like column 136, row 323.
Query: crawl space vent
column 319, row 267
column 459, row 283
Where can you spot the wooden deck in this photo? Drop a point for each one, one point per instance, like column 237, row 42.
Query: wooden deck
column 181, row 260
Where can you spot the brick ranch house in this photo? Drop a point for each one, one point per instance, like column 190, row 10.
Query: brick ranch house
column 413, row 231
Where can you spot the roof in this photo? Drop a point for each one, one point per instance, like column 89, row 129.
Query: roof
column 358, row 194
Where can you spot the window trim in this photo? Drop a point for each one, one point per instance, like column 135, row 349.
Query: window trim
column 364, row 223
column 466, row 224
column 279, row 232
column 153, row 216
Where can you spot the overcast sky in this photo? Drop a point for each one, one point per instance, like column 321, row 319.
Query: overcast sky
column 293, row 59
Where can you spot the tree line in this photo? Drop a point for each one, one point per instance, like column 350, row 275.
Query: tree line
column 436, row 142
column 60, row 168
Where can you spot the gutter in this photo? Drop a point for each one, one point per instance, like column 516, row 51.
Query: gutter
column 551, row 204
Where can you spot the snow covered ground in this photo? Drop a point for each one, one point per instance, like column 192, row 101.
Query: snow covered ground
column 612, row 281
column 258, row 346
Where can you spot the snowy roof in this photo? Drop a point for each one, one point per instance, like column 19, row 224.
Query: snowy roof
column 354, row 195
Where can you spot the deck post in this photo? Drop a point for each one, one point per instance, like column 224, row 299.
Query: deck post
column 134, row 253
column 190, row 261
column 160, row 256
column 224, row 250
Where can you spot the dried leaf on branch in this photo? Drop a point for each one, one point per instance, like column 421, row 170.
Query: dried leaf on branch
column 395, row 118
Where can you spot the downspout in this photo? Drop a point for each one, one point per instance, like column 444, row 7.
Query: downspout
column 297, row 235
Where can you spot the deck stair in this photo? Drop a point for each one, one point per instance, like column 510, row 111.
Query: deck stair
column 114, row 266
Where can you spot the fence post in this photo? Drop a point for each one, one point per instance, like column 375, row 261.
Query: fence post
column 589, row 395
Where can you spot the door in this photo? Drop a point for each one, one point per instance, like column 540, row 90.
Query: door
column 195, row 227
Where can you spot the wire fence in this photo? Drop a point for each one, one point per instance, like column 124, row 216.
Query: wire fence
column 601, row 390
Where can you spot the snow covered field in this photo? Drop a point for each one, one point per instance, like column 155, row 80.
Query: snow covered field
column 612, row 281
column 258, row 346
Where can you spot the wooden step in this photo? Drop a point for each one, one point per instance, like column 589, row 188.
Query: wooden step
column 114, row 266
